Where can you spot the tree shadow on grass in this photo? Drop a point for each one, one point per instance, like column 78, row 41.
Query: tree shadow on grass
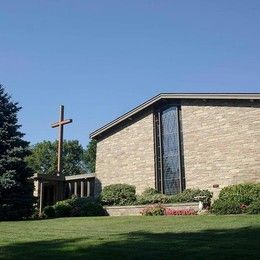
column 208, row 244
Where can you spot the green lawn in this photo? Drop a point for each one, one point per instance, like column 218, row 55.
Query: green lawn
column 159, row 237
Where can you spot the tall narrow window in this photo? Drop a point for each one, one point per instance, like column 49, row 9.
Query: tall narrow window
column 168, row 150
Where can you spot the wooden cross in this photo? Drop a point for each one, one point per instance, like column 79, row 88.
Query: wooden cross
column 60, row 124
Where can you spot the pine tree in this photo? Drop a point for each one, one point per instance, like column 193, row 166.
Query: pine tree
column 16, row 190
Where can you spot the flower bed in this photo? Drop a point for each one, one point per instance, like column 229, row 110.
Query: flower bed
column 176, row 212
column 138, row 210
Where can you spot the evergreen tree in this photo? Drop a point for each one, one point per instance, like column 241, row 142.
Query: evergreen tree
column 16, row 191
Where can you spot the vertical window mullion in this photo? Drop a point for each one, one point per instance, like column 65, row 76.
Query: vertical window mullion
column 156, row 155
column 179, row 148
column 160, row 152
column 182, row 172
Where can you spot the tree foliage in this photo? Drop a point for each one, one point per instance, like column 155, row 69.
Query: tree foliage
column 44, row 158
column 90, row 156
column 16, row 191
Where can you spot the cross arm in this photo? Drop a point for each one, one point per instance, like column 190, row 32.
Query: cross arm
column 64, row 122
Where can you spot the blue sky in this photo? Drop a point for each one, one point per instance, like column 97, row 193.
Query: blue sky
column 102, row 58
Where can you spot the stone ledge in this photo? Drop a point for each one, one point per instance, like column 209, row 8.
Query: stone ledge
column 135, row 210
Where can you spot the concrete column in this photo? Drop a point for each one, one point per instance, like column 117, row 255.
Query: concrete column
column 41, row 197
column 70, row 189
column 75, row 188
column 82, row 188
column 88, row 188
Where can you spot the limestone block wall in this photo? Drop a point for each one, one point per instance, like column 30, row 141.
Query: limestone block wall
column 127, row 155
column 221, row 143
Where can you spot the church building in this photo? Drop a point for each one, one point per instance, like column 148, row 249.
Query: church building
column 178, row 141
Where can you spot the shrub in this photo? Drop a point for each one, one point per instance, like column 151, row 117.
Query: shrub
column 236, row 199
column 75, row 207
column 123, row 194
column 118, row 194
column 156, row 210
column 149, row 192
column 62, row 209
column 226, row 207
column 153, row 199
column 189, row 195
column 254, row 207
column 36, row 213
column 49, row 212
column 242, row 193
column 86, row 207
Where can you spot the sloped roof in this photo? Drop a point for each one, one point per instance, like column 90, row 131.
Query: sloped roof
column 152, row 101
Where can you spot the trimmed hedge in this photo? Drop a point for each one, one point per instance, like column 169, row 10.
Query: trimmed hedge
column 118, row 194
column 189, row 195
column 153, row 199
column 124, row 194
column 242, row 193
column 237, row 199
column 74, row 207
column 254, row 207
column 156, row 210
column 150, row 192
column 223, row 207
column 86, row 207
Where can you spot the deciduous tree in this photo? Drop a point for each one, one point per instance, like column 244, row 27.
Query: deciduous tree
column 44, row 158
column 90, row 156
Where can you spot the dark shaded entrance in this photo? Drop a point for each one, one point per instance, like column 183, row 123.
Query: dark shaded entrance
column 51, row 188
column 48, row 194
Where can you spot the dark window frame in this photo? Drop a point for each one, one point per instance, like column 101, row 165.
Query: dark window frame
column 158, row 156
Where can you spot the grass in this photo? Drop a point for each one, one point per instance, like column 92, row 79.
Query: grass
column 190, row 237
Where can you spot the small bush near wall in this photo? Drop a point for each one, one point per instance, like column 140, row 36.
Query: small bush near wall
column 124, row 194
column 62, row 209
column 237, row 199
column 226, row 207
column 242, row 193
column 254, row 207
column 74, row 207
column 118, row 194
column 190, row 195
column 151, row 196
column 156, row 210
column 150, row 192
column 49, row 212
column 152, row 199
column 86, row 207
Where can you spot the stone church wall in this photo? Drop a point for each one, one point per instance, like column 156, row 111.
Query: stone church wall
column 221, row 143
column 221, row 147
column 127, row 156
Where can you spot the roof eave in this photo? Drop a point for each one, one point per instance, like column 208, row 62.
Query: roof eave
column 153, row 100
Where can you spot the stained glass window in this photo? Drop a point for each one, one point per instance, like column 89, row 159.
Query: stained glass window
column 168, row 151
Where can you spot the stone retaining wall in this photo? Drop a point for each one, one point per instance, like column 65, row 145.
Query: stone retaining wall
column 136, row 210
